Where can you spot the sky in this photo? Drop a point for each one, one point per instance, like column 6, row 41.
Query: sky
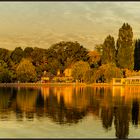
column 41, row 24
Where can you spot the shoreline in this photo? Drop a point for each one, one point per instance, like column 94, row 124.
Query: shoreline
column 61, row 84
column 52, row 84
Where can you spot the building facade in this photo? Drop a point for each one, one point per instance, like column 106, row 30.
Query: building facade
column 135, row 80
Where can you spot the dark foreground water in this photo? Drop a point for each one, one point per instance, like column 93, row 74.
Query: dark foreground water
column 70, row 112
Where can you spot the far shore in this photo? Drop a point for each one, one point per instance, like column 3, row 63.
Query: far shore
column 51, row 84
column 60, row 84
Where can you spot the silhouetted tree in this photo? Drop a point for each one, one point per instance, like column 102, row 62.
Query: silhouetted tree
column 137, row 55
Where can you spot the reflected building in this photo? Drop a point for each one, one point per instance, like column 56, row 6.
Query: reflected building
column 129, row 92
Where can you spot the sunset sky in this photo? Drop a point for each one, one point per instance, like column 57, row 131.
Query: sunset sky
column 41, row 24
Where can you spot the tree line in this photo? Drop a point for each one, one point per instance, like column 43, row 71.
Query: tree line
column 108, row 60
column 28, row 65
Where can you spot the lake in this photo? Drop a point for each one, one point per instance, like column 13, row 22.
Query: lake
column 70, row 112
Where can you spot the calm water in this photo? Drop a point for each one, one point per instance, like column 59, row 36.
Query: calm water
column 70, row 112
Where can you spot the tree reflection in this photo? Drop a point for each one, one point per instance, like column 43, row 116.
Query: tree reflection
column 5, row 102
column 135, row 112
column 19, row 114
column 107, row 117
column 60, row 111
column 5, row 95
column 39, row 105
column 30, row 116
column 25, row 102
column 121, row 121
column 69, row 105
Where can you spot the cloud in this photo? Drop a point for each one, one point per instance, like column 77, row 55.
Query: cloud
column 44, row 23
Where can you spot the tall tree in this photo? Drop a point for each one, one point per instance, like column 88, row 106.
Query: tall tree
column 108, row 54
column 137, row 55
column 125, row 47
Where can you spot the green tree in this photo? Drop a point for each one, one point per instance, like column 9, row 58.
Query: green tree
column 109, row 52
column 38, row 56
column 109, row 71
column 52, row 64
column 27, row 52
column 79, row 70
column 125, row 47
column 26, row 71
column 94, row 59
column 91, row 76
column 5, row 56
column 67, row 53
column 17, row 55
column 5, row 74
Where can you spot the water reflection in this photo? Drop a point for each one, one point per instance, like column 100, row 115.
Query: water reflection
column 122, row 118
column 69, row 105
column 135, row 112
